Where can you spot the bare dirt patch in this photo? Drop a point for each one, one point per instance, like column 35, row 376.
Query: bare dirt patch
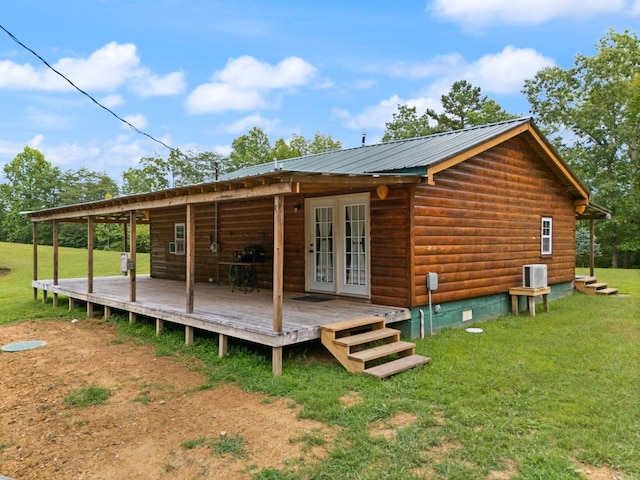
column 4, row 271
column 389, row 428
column 592, row 472
column 155, row 408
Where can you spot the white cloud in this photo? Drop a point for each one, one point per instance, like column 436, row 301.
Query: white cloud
column 375, row 116
column 502, row 72
column 506, row 71
column 70, row 155
column 105, row 70
column 149, row 85
column 245, row 84
column 470, row 13
column 268, row 125
column 111, row 101
column 219, row 97
column 138, row 120
column 635, row 8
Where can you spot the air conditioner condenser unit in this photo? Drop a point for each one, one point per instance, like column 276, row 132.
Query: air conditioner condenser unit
column 534, row 276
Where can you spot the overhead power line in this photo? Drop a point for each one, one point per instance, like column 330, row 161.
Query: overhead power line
column 133, row 127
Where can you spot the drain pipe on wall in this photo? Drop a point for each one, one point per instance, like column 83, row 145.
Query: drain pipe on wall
column 421, row 323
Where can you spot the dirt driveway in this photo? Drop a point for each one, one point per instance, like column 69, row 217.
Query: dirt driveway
column 155, row 424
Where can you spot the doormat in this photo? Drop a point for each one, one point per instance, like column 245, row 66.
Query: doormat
column 312, row 299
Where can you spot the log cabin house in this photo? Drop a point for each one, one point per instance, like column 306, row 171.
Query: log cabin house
column 345, row 234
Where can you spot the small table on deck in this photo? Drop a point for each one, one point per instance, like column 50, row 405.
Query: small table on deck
column 531, row 294
column 242, row 275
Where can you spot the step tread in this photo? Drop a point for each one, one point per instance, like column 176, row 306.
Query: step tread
column 382, row 351
column 585, row 279
column 352, row 323
column 397, row 366
column 597, row 285
column 607, row 291
column 366, row 337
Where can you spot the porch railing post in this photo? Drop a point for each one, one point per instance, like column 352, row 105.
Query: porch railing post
column 90, row 254
column 132, row 243
column 592, row 247
column 55, row 233
column 278, row 277
column 191, row 256
column 35, row 258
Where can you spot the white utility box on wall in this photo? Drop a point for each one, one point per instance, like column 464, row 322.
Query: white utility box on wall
column 534, row 276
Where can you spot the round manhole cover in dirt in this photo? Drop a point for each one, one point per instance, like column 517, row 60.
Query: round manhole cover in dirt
column 20, row 346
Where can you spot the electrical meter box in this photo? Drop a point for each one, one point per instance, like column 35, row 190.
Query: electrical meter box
column 124, row 263
column 432, row 281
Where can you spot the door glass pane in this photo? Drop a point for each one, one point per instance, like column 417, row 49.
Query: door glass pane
column 323, row 257
column 355, row 256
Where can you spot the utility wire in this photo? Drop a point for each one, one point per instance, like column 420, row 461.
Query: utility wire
column 133, row 127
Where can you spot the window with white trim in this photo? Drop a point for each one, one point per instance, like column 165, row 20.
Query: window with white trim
column 179, row 236
column 546, row 236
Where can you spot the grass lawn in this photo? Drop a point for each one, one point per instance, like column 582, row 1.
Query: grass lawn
column 530, row 398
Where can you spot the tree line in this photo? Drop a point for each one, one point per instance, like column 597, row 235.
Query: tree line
column 591, row 112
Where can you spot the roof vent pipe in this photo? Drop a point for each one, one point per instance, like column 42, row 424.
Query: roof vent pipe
column 364, row 136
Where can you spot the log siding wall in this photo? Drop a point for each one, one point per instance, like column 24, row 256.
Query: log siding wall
column 476, row 228
column 481, row 222
column 240, row 224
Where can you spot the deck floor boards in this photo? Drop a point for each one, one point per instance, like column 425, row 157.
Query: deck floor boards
column 248, row 316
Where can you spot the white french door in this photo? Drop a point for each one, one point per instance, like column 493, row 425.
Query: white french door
column 338, row 244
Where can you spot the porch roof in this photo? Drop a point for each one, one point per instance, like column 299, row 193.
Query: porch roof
column 118, row 209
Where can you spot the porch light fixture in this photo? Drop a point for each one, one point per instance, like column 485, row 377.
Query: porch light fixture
column 382, row 191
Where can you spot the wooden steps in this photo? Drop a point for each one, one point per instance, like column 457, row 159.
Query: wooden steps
column 359, row 342
column 591, row 286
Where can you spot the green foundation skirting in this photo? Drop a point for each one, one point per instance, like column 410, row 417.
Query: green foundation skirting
column 471, row 310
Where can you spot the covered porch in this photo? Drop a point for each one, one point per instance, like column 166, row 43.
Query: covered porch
column 219, row 309
column 273, row 316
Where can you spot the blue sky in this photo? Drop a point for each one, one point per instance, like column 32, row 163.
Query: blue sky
column 198, row 73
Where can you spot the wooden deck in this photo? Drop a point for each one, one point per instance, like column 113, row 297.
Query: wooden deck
column 218, row 309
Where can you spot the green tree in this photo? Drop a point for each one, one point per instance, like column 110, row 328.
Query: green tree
column 590, row 110
column 583, row 246
column 299, row 146
column 249, row 149
column 464, row 106
column 33, row 184
column 407, row 124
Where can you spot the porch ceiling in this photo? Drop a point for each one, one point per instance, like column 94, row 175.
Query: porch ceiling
column 118, row 209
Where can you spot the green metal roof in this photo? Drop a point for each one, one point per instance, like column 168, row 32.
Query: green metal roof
column 401, row 157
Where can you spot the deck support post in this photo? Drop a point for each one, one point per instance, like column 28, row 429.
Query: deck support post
column 132, row 318
column 191, row 256
column 188, row 335
column 592, row 247
column 55, row 231
column 159, row 326
column 89, row 310
column 107, row 312
column 90, row 254
column 132, row 271
column 44, row 296
column 34, row 229
column 223, row 345
column 278, row 260
column 72, row 303
column 278, row 277
column 276, row 361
